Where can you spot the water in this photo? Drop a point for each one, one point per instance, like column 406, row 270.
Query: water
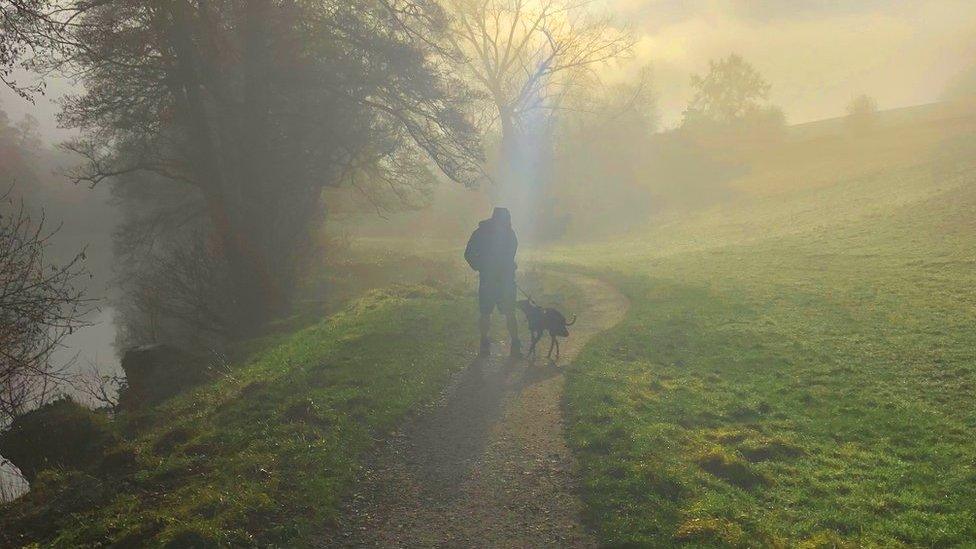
column 89, row 350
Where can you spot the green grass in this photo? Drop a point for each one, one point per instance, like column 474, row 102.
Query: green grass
column 796, row 368
column 265, row 455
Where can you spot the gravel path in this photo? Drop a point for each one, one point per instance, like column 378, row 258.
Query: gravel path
column 489, row 465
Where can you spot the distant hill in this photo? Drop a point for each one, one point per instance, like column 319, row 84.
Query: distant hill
column 930, row 113
column 821, row 153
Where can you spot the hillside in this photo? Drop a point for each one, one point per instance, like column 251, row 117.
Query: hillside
column 797, row 365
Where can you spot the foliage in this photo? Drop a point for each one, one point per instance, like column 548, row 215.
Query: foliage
column 862, row 113
column 730, row 90
column 265, row 455
column 170, row 272
column 257, row 106
column 732, row 94
column 19, row 145
column 25, row 27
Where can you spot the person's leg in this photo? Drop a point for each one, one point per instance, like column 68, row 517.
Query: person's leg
column 486, row 303
column 484, row 325
column 507, row 306
column 512, row 322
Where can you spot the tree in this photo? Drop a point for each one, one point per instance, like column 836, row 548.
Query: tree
column 18, row 145
column 862, row 113
column 257, row 106
column 26, row 28
column 526, row 57
column 39, row 306
column 602, row 145
column 732, row 93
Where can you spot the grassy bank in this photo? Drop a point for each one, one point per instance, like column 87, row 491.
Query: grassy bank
column 797, row 368
column 264, row 455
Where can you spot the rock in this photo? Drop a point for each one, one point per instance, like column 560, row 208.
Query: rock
column 60, row 434
column 156, row 372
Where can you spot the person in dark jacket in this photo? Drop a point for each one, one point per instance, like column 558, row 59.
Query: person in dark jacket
column 491, row 251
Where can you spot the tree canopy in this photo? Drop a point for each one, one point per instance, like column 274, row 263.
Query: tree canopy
column 256, row 106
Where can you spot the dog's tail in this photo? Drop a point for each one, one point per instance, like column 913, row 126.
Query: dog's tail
column 571, row 322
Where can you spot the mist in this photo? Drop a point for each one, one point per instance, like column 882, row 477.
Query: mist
column 487, row 273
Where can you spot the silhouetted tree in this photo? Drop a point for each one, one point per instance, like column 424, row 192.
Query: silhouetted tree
column 40, row 305
column 732, row 94
column 257, row 106
column 526, row 57
column 862, row 113
column 27, row 27
column 18, row 144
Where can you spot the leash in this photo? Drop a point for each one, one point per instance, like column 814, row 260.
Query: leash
column 527, row 296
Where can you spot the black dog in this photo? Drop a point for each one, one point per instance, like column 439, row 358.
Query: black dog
column 544, row 319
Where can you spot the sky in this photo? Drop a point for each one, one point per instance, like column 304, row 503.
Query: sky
column 44, row 108
column 817, row 54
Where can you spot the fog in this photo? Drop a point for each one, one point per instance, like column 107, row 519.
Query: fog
column 817, row 55
column 335, row 240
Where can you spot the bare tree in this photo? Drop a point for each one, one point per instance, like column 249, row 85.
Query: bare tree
column 99, row 390
column 527, row 56
column 28, row 27
column 39, row 307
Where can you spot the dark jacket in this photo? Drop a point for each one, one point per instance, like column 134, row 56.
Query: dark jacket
column 491, row 250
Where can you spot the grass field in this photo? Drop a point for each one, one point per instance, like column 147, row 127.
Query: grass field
column 798, row 365
column 263, row 456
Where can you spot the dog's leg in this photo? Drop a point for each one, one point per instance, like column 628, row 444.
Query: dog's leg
column 536, row 336
column 552, row 345
column 557, row 349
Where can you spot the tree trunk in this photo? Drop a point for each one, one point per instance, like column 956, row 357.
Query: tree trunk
column 247, row 268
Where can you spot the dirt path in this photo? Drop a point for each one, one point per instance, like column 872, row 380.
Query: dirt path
column 488, row 466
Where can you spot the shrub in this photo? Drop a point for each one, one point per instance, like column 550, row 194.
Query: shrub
column 60, row 434
column 862, row 113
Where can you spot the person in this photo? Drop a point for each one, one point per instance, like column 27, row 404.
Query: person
column 491, row 251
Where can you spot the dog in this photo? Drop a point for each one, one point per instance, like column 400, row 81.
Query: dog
column 544, row 319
